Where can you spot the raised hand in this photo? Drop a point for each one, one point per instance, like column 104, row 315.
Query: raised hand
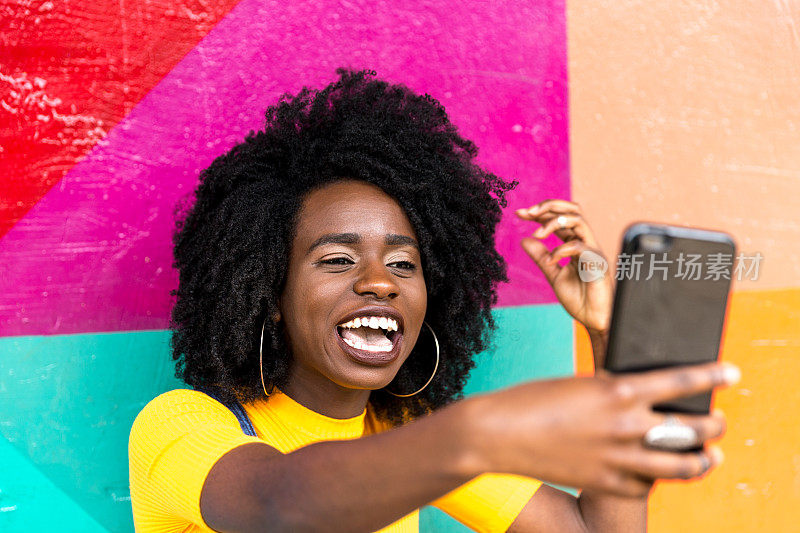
column 589, row 302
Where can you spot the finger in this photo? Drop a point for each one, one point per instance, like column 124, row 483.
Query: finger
column 667, row 465
column 540, row 255
column 568, row 249
column 566, row 227
column 707, row 427
column 556, row 206
column 632, row 426
column 667, row 384
column 565, row 234
column 574, row 225
column 548, row 209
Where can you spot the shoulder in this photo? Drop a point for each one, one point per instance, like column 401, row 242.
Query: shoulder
column 179, row 430
column 175, row 441
column 177, row 399
column 176, row 411
column 175, row 402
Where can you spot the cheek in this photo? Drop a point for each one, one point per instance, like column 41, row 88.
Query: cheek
column 419, row 301
column 297, row 310
column 310, row 305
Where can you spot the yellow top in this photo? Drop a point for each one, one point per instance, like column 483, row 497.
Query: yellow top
column 178, row 437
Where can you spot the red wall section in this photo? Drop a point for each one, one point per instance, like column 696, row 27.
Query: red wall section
column 69, row 71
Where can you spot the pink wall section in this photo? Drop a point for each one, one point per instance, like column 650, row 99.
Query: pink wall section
column 94, row 254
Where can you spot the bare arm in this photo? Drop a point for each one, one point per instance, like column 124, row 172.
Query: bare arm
column 357, row 485
column 552, row 509
column 608, row 512
column 581, row 432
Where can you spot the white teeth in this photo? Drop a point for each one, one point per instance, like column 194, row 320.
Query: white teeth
column 373, row 322
column 360, row 346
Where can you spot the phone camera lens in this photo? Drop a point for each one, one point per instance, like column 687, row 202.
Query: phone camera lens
column 654, row 242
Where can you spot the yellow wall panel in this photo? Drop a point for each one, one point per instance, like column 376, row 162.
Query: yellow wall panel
column 757, row 488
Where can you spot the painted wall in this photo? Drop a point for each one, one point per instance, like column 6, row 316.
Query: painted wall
column 687, row 112
column 110, row 118
column 678, row 112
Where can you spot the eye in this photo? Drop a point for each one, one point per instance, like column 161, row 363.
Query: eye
column 337, row 261
column 405, row 265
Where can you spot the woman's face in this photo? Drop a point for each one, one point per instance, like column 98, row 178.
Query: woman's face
column 355, row 295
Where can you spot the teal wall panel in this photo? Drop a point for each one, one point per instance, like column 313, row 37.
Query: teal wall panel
column 531, row 342
column 29, row 501
column 70, row 401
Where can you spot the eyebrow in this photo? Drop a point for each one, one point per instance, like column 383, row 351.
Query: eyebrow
column 391, row 239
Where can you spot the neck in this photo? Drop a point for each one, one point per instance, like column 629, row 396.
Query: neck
column 323, row 396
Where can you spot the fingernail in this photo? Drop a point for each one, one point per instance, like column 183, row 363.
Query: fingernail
column 533, row 209
column 718, row 412
column 716, row 454
column 539, row 232
column 521, row 212
column 731, row 374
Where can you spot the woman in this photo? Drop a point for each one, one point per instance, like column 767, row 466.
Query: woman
column 337, row 272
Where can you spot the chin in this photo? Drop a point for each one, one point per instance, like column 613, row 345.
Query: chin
column 352, row 374
column 365, row 377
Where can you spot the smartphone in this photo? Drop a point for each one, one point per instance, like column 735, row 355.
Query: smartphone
column 670, row 303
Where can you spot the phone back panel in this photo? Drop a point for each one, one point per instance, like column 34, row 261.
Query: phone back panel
column 670, row 302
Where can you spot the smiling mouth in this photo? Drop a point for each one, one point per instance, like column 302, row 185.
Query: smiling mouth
column 370, row 340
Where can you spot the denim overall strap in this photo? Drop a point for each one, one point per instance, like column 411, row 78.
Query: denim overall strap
column 237, row 409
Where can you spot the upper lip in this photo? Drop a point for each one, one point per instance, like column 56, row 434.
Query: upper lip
column 374, row 310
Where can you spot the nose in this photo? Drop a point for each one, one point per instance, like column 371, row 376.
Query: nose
column 374, row 279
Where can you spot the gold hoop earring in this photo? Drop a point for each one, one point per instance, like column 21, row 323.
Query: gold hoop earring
column 261, row 358
column 435, row 368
